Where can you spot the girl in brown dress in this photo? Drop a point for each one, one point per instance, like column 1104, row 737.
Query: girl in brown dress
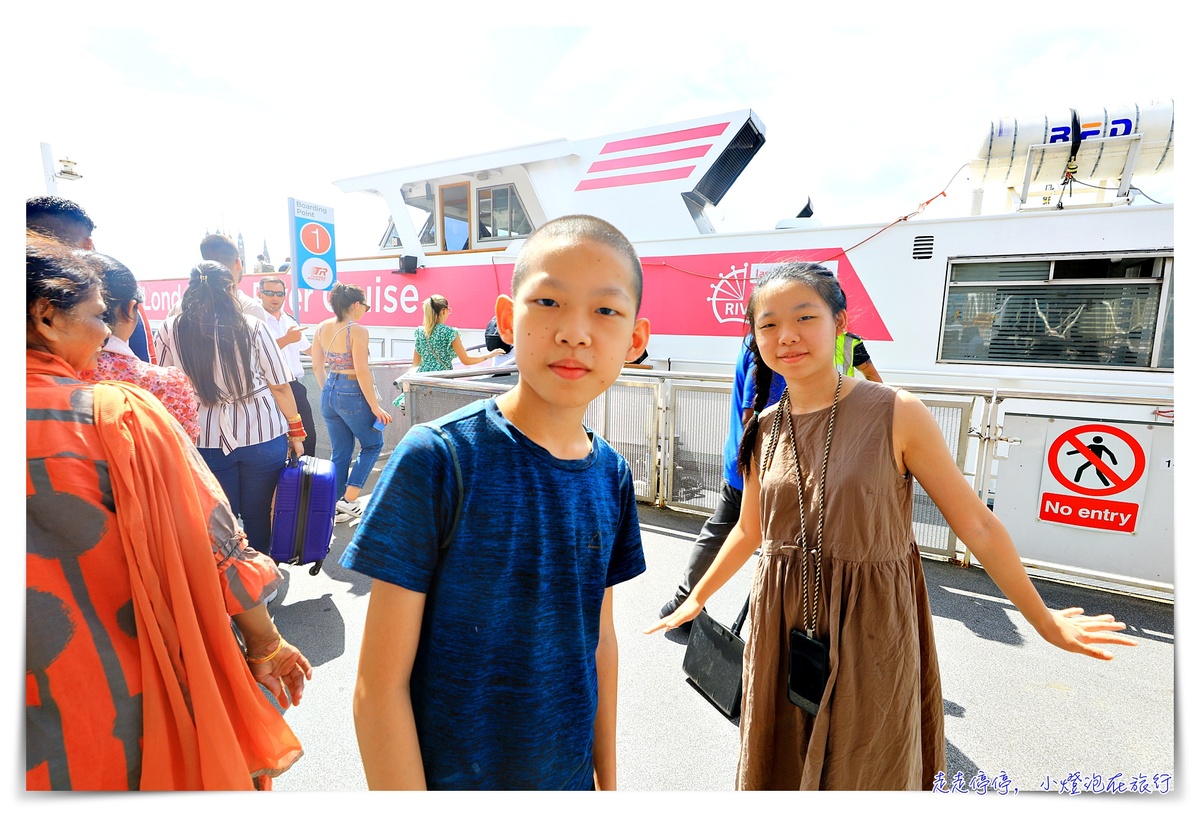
column 851, row 452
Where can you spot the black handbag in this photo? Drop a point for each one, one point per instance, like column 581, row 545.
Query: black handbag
column 713, row 661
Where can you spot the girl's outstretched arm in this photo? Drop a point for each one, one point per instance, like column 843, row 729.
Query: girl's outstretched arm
column 743, row 540
column 921, row 450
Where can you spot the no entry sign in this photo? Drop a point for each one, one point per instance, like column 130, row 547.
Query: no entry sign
column 1093, row 477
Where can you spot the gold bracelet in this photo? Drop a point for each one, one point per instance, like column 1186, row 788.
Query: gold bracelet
column 267, row 658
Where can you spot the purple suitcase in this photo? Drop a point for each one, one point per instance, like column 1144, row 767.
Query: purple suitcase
column 302, row 528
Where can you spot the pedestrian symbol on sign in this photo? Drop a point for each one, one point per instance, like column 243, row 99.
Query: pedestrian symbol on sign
column 1098, row 448
column 1113, row 460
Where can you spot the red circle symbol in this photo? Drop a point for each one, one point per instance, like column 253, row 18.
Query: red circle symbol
column 1103, row 468
column 315, row 238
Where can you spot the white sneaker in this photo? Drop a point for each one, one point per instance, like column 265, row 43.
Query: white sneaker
column 347, row 511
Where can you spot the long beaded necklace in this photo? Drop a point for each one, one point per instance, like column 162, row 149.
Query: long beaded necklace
column 809, row 612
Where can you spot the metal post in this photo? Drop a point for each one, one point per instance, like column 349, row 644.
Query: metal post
column 48, row 170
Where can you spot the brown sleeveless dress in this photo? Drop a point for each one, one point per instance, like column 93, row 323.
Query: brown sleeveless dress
column 880, row 724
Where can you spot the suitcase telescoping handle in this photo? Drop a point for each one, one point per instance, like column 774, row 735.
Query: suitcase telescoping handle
column 301, row 518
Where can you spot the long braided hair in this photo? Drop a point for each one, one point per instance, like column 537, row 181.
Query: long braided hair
column 825, row 284
column 211, row 328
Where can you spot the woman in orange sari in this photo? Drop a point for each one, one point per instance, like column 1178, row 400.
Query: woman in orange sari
column 134, row 567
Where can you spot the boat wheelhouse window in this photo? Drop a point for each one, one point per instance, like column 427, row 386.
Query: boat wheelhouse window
column 456, row 230
column 422, row 203
column 391, row 238
column 1098, row 312
column 501, row 214
column 428, row 236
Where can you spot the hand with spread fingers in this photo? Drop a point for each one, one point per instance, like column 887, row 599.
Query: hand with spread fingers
column 1073, row 631
column 283, row 666
column 682, row 614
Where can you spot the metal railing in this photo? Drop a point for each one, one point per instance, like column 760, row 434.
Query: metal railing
column 671, row 427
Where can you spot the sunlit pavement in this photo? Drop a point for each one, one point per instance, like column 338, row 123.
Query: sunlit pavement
column 1020, row 715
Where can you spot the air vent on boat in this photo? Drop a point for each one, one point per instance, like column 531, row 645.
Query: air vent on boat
column 730, row 164
column 923, row 247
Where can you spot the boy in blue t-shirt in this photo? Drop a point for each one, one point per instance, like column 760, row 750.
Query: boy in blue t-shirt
column 495, row 536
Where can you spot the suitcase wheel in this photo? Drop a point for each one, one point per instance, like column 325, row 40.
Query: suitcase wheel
column 316, row 568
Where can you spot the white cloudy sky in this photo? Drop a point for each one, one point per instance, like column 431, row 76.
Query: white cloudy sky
column 209, row 117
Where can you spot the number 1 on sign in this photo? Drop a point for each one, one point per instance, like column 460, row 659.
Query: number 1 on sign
column 315, row 238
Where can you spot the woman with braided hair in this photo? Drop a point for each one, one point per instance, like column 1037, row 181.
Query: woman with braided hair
column 841, row 687
column 248, row 415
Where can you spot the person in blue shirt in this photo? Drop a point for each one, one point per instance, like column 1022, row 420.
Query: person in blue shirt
column 496, row 535
column 729, row 502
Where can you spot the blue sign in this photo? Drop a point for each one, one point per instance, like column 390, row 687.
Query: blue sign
column 314, row 264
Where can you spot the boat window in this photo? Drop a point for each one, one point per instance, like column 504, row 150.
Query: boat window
column 1000, row 271
column 428, row 235
column 456, row 231
column 1166, row 355
column 1079, row 312
column 501, row 214
column 420, row 204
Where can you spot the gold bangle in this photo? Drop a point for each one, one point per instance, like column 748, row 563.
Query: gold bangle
column 267, row 658
column 295, row 419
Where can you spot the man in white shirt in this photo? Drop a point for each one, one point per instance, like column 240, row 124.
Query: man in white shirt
column 272, row 291
column 222, row 249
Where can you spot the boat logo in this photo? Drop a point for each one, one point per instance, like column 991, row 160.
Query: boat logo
column 731, row 293
column 1119, row 127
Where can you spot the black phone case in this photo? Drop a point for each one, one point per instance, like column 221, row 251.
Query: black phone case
column 808, row 670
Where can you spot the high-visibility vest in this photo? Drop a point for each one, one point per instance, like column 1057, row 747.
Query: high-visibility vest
column 843, row 356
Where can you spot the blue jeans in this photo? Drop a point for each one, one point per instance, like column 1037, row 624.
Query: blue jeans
column 248, row 474
column 348, row 417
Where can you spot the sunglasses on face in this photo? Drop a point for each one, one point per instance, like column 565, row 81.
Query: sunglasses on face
column 367, row 305
column 270, row 293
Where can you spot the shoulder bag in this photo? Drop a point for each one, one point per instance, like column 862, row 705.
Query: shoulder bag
column 713, row 661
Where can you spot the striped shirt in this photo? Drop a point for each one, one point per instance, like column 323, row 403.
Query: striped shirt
column 233, row 423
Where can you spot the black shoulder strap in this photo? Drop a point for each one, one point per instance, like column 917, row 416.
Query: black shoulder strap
column 741, row 619
column 458, row 482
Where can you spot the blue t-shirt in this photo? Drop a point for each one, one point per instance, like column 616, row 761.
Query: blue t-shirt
column 504, row 680
column 742, row 399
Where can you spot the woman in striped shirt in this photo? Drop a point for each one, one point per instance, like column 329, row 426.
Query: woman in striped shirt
column 248, row 414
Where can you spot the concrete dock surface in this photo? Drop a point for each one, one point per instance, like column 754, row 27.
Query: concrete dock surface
column 1021, row 717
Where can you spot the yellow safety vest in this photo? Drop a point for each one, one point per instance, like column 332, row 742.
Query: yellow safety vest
column 843, row 357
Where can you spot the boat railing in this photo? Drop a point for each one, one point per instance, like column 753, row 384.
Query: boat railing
column 671, row 427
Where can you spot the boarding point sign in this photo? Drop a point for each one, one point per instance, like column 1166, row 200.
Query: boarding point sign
column 1094, row 476
column 311, row 232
